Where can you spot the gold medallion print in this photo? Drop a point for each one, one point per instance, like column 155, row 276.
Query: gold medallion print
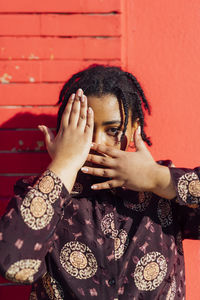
column 23, row 270
column 117, row 243
column 36, row 211
column 194, row 188
column 38, row 207
column 150, row 271
column 189, row 188
column 46, row 184
column 49, row 185
column 120, row 237
column 108, row 225
column 78, row 260
column 164, row 212
column 52, row 287
column 120, row 243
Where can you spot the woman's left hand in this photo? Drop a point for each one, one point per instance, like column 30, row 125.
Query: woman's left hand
column 131, row 170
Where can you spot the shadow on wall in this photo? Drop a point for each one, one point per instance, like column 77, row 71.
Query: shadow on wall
column 22, row 153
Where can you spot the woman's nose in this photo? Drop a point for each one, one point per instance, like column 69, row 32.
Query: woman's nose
column 98, row 138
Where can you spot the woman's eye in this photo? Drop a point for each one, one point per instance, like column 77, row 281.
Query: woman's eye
column 113, row 131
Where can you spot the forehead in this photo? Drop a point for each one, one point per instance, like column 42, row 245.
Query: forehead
column 107, row 107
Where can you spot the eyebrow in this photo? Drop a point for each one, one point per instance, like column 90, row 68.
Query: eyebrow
column 111, row 122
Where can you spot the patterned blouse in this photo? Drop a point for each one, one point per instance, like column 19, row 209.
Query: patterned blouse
column 108, row 245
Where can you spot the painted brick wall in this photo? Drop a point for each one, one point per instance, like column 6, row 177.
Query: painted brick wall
column 42, row 43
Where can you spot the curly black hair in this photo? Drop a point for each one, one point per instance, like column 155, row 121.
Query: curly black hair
column 100, row 80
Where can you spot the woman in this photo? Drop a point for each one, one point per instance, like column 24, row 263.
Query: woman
column 77, row 236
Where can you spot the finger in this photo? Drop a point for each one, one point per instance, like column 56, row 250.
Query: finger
column 110, row 184
column 48, row 134
column 89, row 123
column 67, row 111
column 75, row 111
column 139, row 143
column 83, row 113
column 98, row 172
column 105, row 161
column 110, row 151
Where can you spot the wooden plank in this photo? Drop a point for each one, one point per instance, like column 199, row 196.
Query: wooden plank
column 61, row 6
column 81, row 25
column 21, row 141
column 60, row 25
column 23, row 162
column 23, row 48
column 19, row 24
column 44, row 71
column 30, row 94
column 27, row 117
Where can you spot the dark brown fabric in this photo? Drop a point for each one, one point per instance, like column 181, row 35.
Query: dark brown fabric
column 98, row 244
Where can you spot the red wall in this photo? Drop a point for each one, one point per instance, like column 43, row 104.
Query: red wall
column 42, row 43
column 163, row 50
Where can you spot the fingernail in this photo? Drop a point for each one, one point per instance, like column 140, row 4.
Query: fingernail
column 89, row 110
column 83, row 98
column 94, row 187
column 73, row 96
column 139, row 130
column 41, row 127
column 84, row 169
column 92, row 144
column 79, row 92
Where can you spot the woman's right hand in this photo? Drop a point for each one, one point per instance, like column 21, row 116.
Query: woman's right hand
column 71, row 146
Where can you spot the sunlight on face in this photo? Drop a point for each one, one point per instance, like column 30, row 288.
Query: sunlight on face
column 108, row 122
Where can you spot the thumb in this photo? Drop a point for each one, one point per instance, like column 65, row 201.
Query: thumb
column 48, row 134
column 139, row 143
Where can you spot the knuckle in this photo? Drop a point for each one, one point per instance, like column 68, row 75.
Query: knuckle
column 89, row 126
column 75, row 110
column 110, row 185
column 83, row 117
column 105, row 173
column 102, row 160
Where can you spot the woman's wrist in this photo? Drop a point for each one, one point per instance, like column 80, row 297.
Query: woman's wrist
column 162, row 182
column 66, row 172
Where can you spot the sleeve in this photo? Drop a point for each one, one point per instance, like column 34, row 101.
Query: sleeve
column 187, row 185
column 28, row 226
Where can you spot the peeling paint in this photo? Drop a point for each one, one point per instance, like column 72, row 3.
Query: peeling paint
column 2, row 49
column 31, row 79
column 21, row 142
column 10, row 58
column 52, row 56
column 40, row 144
column 6, row 78
column 17, row 67
column 33, row 56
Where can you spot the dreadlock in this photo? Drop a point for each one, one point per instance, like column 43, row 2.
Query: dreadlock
column 100, row 80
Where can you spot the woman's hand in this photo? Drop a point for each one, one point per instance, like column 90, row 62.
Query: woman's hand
column 70, row 148
column 126, row 169
column 132, row 170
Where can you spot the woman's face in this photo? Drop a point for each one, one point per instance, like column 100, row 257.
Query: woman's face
column 108, row 122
